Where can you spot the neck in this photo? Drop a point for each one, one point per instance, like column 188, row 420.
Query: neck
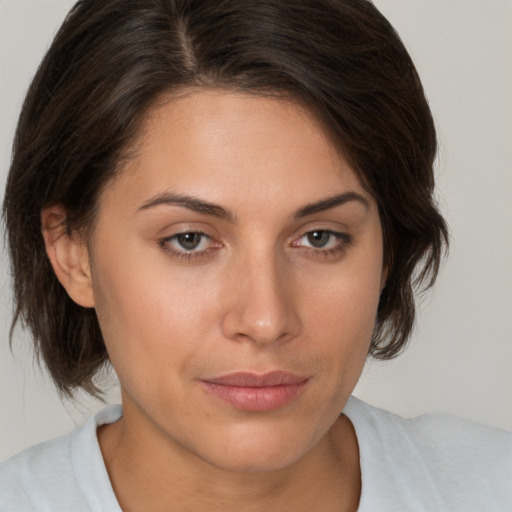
column 150, row 473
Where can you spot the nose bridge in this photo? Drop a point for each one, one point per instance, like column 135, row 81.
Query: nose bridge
column 261, row 308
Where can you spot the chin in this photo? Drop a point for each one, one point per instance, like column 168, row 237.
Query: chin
column 261, row 462
column 258, row 452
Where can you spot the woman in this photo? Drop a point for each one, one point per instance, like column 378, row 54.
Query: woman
column 230, row 202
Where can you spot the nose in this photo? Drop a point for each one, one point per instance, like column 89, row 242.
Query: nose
column 260, row 305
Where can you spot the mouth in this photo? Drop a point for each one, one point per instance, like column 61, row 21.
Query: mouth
column 254, row 392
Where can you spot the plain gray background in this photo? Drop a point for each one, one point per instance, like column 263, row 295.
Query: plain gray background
column 460, row 358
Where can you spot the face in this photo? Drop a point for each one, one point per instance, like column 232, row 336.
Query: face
column 236, row 267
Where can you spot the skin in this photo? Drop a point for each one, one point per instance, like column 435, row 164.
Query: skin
column 254, row 295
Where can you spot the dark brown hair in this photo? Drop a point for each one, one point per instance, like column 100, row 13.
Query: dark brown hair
column 111, row 60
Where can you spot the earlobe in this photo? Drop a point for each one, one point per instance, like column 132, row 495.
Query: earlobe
column 68, row 256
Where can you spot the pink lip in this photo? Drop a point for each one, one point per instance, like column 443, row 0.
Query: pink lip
column 256, row 392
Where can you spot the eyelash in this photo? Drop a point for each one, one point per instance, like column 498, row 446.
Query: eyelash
column 343, row 242
column 192, row 255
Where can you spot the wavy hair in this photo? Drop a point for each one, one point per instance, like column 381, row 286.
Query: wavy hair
column 110, row 62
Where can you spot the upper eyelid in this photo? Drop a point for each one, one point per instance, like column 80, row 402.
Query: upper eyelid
column 297, row 235
column 324, row 224
column 174, row 230
column 175, row 235
column 335, row 232
column 186, row 232
column 328, row 230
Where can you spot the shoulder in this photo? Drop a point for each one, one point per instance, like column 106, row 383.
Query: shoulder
column 485, row 449
column 36, row 472
column 454, row 463
column 444, row 433
column 53, row 476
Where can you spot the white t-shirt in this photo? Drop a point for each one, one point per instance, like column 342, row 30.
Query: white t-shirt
column 432, row 463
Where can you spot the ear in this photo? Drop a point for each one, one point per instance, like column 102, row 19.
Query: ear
column 68, row 255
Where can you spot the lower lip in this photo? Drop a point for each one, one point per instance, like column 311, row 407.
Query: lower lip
column 255, row 399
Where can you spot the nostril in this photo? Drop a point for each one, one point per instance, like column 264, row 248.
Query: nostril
column 260, row 309
column 241, row 325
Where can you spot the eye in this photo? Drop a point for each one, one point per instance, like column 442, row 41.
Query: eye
column 320, row 239
column 189, row 241
column 189, row 244
column 323, row 242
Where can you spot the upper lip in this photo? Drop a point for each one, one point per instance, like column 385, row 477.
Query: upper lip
column 257, row 380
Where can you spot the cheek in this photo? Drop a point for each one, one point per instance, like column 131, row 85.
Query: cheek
column 340, row 317
column 346, row 304
column 148, row 314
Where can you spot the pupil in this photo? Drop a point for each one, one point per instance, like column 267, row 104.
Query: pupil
column 189, row 241
column 318, row 238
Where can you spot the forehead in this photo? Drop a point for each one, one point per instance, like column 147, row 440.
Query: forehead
column 234, row 147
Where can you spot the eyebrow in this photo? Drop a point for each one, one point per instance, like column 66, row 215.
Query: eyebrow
column 201, row 206
column 331, row 202
column 190, row 202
